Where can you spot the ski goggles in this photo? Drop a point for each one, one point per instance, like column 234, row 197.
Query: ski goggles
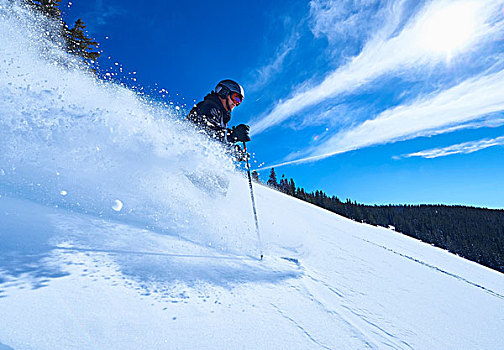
column 237, row 98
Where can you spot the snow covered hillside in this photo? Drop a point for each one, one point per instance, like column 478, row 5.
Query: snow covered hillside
column 72, row 280
column 109, row 240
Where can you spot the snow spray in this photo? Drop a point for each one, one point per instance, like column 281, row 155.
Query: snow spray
column 73, row 141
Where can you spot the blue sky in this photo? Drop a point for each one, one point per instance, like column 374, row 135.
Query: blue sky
column 377, row 101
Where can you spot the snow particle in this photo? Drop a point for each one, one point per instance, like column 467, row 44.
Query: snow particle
column 118, row 205
column 63, row 192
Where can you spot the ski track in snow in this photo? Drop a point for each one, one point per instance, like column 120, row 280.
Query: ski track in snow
column 462, row 279
column 357, row 322
column 301, row 328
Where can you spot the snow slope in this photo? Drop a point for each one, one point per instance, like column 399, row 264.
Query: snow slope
column 78, row 281
column 105, row 243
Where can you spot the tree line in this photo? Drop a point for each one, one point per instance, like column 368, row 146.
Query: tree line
column 476, row 234
column 74, row 39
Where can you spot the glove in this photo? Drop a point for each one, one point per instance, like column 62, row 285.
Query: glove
column 239, row 133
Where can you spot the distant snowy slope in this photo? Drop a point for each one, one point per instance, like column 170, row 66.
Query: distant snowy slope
column 115, row 233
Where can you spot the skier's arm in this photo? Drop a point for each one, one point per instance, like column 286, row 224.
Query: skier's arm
column 208, row 118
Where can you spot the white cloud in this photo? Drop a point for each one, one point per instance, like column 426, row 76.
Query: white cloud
column 465, row 102
column 265, row 73
column 340, row 19
column 386, row 53
column 461, row 148
column 486, row 122
column 459, row 106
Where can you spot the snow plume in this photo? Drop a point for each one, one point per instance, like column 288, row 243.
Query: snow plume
column 70, row 140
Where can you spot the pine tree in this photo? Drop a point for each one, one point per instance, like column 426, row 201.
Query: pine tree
column 50, row 8
column 272, row 181
column 292, row 187
column 283, row 184
column 78, row 43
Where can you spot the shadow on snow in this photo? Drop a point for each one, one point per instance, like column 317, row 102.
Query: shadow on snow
column 35, row 237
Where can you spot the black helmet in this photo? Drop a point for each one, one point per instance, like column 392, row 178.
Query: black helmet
column 227, row 86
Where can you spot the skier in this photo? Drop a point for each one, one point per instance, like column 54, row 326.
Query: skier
column 213, row 114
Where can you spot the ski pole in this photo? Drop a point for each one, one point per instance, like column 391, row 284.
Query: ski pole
column 253, row 201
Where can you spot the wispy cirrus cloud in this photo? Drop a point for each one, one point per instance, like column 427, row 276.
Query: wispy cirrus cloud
column 343, row 20
column 461, row 148
column 464, row 102
column 396, row 46
column 264, row 74
column 433, row 114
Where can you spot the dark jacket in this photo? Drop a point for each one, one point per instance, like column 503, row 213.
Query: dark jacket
column 210, row 116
